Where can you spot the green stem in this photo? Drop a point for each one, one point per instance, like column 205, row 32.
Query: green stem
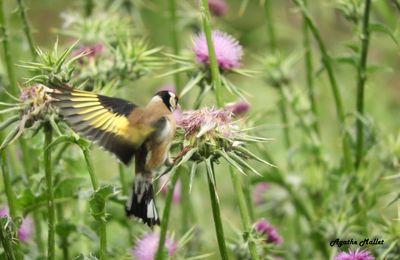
column 362, row 77
column 244, row 213
column 95, row 185
column 26, row 27
column 165, row 217
column 281, row 104
column 216, row 211
column 310, row 75
column 327, row 62
column 216, row 77
column 174, row 40
column 49, row 193
column 284, row 118
column 10, row 194
column 6, row 243
column 64, row 238
column 270, row 26
column 249, row 201
column 11, row 200
column 7, row 52
column 88, row 5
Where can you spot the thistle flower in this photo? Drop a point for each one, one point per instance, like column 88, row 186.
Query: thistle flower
column 239, row 108
column 227, row 50
column 210, row 134
column 90, row 51
column 36, row 102
column 25, row 230
column 32, row 107
column 217, row 7
column 176, row 196
column 258, row 192
column 146, row 247
column 355, row 255
column 265, row 228
column 210, row 122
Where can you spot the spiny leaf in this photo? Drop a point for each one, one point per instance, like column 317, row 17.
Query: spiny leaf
column 378, row 27
column 231, row 161
column 242, row 162
column 192, row 83
column 97, row 201
column 251, row 155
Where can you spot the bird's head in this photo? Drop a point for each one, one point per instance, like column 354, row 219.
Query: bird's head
column 169, row 99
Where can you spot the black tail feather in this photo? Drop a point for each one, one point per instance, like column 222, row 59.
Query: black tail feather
column 142, row 204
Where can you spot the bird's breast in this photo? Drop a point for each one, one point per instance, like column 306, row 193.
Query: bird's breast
column 165, row 132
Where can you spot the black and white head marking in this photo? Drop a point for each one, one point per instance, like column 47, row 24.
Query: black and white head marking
column 169, row 99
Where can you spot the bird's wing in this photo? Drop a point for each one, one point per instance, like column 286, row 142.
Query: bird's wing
column 103, row 120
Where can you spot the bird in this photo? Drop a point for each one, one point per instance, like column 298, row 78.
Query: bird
column 127, row 131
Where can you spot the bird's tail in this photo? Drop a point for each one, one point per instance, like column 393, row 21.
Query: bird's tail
column 141, row 203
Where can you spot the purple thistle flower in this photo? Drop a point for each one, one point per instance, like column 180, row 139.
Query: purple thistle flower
column 239, row 108
column 258, row 192
column 146, row 247
column 176, row 196
column 355, row 255
column 4, row 212
column 25, row 230
column 90, row 51
column 227, row 50
column 264, row 227
column 218, row 7
column 206, row 121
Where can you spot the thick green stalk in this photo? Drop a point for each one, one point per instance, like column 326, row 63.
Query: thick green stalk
column 49, row 193
column 310, row 75
column 284, row 118
column 327, row 62
column 7, row 52
column 26, row 27
column 270, row 26
column 249, row 199
column 216, row 77
column 174, row 40
column 362, row 77
column 216, row 212
column 244, row 213
column 7, row 245
column 165, row 217
column 10, row 194
column 96, row 185
column 63, row 239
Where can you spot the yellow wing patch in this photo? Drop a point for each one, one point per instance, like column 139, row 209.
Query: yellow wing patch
column 103, row 120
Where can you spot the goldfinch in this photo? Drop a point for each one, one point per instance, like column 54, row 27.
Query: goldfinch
column 127, row 131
